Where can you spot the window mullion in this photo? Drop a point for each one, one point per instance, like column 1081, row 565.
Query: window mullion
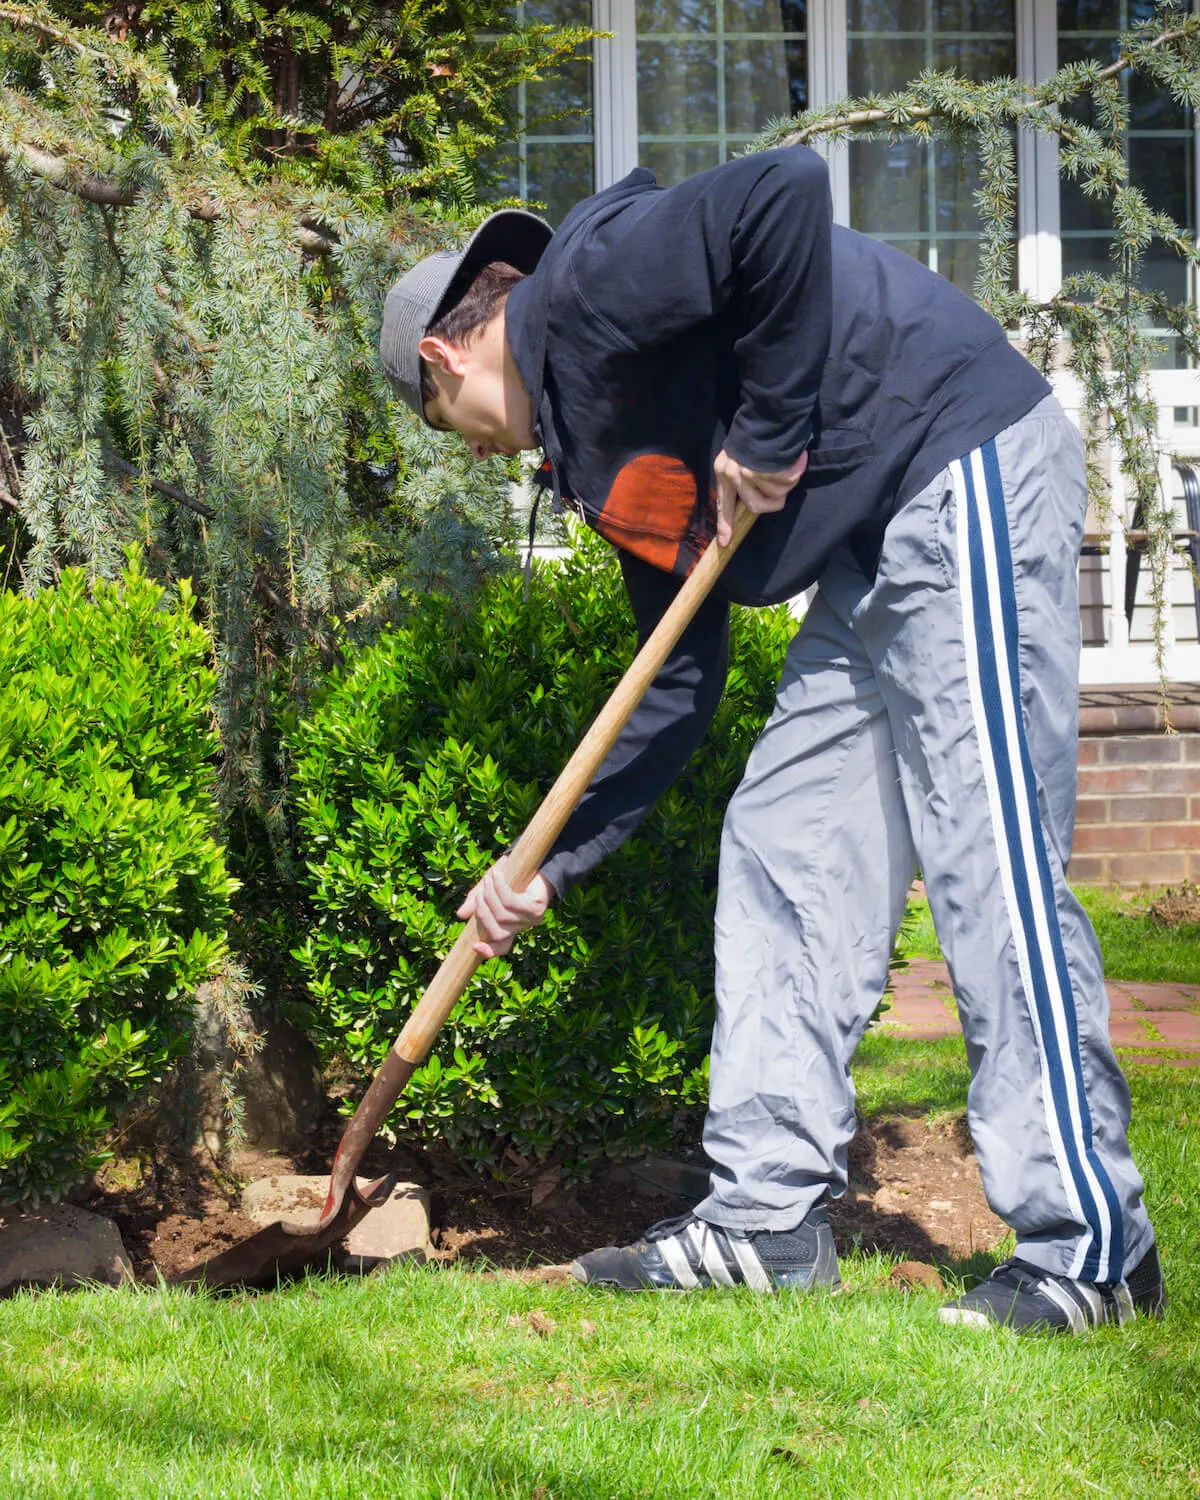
column 1039, row 248
column 827, row 84
column 614, row 93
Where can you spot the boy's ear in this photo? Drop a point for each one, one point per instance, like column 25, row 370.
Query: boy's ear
column 443, row 355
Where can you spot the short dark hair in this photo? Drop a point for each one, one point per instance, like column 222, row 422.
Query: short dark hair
column 472, row 309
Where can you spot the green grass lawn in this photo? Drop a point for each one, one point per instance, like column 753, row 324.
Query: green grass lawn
column 1134, row 947
column 432, row 1383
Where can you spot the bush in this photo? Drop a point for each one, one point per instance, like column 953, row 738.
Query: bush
column 423, row 760
column 113, row 894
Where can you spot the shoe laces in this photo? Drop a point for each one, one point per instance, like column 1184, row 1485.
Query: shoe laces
column 665, row 1228
column 1020, row 1274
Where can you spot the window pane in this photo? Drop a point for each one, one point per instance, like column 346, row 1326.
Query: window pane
column 958, row 261
column 1162, row 169
column 561, row 104
column 918, row 249
column 1080, row 212
column 702, row 96
column 974, row 59
column 1153, row 108
column 758, row 86
column 888, row 187
column 1087, row 255
column 1102, row 15
column 973, row 15
column 677, row 88
column 957, row 178
column 559, row 175
column 885, row 15
column 878, row 65
column 1159, row 146
column 551, row 161
column 767, row 16
column 1166, row 272
column 675, row 15
column 923, row 196
column 673, row 162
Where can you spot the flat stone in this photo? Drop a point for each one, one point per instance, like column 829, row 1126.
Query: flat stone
column 397, row 1229
column 294, row 1199
column 1177, row 1029
column 60, row 1246
column 1163, row 996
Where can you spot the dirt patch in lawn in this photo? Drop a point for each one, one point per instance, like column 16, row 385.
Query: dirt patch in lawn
column 914, row 1192
column 1177, row 907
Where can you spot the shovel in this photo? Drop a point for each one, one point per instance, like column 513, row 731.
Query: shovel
column 281, row 1248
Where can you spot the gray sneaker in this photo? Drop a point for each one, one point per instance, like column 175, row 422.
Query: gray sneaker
column 1021, row 1297
column 683, row 1254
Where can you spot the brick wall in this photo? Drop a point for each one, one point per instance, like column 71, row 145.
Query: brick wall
column 1138, row 814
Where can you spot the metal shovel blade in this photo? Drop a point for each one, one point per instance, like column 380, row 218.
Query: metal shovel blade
column 282, row 1249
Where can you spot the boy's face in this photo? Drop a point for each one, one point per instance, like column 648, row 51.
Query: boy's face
column 478, row 392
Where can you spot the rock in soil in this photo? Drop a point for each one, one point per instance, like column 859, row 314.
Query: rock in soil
column 60, row 1246
column 399, row 1227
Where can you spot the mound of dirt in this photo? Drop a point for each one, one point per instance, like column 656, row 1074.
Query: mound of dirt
column 1177, row 907
column 914, row 1192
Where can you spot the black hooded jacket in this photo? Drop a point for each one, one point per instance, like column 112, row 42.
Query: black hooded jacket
column 663, row 325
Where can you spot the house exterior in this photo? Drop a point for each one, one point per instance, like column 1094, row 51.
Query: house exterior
column 683, row 84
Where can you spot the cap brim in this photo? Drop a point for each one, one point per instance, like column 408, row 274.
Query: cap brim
column 415, row 302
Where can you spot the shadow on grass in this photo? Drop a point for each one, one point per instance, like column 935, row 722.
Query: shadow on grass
column 173, row 1432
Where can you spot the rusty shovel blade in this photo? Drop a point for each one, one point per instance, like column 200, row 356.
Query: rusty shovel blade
column 282, row 1249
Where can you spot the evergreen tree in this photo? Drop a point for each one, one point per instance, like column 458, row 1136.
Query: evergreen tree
column 190, row 305
column 389, row 102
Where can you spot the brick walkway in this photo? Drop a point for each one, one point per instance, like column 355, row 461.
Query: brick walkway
column 1157, row 1023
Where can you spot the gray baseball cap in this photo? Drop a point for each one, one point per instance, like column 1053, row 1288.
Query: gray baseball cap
column 414, row 302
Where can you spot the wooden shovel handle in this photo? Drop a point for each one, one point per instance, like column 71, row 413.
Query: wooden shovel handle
column 414, row 1042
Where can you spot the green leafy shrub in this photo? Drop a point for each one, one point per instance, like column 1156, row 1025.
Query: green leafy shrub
column 423, row 759
column 113, row 893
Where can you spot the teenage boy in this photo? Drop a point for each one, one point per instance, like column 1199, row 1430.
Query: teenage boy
column 671, row 352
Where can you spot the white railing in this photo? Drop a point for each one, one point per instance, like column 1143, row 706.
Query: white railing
column 1117, row 648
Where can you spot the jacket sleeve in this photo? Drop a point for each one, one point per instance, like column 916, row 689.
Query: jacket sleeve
column 660, row 736
column 749, row 241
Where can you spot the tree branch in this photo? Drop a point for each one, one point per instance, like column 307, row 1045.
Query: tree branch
column 879, row 116
column 60, row 173
column 51, row 33
column 123, row 466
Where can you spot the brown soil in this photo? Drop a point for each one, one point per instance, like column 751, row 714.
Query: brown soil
column 914, row 1192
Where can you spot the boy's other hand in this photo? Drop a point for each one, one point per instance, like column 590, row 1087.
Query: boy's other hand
column 758, row 491
column 502, row 912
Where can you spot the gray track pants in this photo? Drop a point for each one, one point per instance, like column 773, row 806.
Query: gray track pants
column 929, row 715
